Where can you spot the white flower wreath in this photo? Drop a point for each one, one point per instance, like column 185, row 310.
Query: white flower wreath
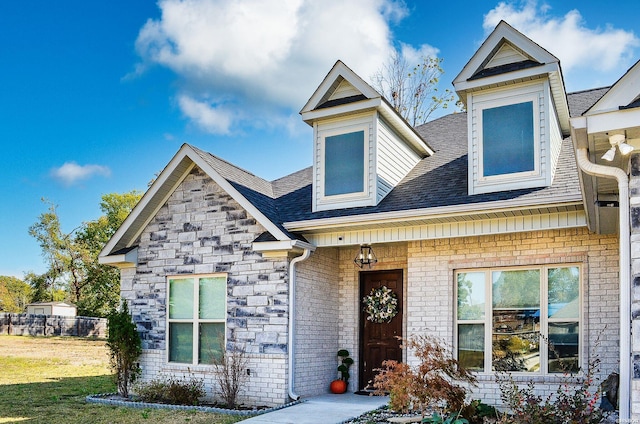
column 381, row 305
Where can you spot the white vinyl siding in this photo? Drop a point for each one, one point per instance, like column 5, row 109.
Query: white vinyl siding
column 555, row 134
column 345, row 89
column 505, row 55
column 395, row 160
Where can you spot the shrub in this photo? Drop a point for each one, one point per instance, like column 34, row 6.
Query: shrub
column 230, row 372
column 476, row 411
column 574, row 401
column 172, row 390
column 125, row 348
column 434, row 383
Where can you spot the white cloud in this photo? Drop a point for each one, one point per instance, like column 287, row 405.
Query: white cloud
column 214, row 119
column 568, row 37
column 415, row 56
column 70, row 172
column 268, row 55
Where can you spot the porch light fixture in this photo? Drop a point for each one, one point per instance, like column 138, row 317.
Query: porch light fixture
column 365, row 256
column 619, row 141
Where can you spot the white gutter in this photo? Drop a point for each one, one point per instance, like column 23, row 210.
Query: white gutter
column 292, row 319
column 625, row 273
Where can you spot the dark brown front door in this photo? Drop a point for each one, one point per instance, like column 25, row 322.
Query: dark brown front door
column 379, row 341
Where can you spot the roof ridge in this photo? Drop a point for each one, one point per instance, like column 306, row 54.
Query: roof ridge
column 586, row 90
column 246, row 173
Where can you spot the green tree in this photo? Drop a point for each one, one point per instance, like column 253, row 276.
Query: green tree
column 517, row 289
column 14, row 294
column 411, row 89
column 125, row 348
column 43, row 288
column 102, row 292
column 72, row 257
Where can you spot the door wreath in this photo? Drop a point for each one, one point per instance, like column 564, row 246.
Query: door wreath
column 381, row 305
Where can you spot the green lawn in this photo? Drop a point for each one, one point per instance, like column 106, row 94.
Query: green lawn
column 46, row 379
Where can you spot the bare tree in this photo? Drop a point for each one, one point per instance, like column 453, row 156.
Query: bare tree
column 412, row 90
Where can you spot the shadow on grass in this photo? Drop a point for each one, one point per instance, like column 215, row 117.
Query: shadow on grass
column 41, row 402
column 63, row 400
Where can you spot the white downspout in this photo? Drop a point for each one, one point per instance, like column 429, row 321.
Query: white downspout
column 625, row 273
column 292, row 319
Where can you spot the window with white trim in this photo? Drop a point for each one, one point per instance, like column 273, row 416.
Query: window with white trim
column 508, row 145
column 524, row 319
column 344, row 163
column 510, row 132
column 197, row 318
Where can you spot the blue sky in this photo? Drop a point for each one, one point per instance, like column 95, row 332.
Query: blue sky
column 97, row 96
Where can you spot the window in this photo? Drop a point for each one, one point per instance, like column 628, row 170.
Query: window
column 510, row 139
column 507, row 136
column 519, row 320
column 344, row 163
column 197, row 316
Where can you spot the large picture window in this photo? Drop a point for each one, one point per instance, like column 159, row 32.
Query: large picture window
column 519, row 320
column 197, row 316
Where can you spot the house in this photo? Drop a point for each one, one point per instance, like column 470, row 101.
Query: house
column 52, row 308
column 489, row 227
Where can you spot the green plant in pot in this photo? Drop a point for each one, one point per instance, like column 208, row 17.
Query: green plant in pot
column 340, row 385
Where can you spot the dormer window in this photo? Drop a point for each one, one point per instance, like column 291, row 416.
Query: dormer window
column 508, row 140
column 517, row 113
column 344, row 163
column 362, row 148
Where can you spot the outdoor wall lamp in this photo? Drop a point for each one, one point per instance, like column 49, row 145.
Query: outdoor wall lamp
column 365, row 256
column 617, row 140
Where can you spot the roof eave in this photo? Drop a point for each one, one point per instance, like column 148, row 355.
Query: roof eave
column 406, row 216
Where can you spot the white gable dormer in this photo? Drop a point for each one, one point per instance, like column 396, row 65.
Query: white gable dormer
column 362, row 147
column 517, row 113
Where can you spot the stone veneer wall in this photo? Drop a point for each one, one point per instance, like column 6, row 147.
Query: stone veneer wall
column 430, row 297
column 202, row 230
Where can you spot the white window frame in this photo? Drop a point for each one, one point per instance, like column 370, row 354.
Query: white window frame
column 195, row 320
column 346, row 197
column 487, row 321
column 534, row 93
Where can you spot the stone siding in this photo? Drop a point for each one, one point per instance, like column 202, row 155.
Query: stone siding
column 202, row 230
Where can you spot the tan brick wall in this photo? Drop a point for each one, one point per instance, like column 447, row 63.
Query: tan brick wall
column 429, row 268
column 265, row 386
column 390, row 257
column 432, row 264
column 317, row 322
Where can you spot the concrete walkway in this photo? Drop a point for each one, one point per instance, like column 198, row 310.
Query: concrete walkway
column 324, row 409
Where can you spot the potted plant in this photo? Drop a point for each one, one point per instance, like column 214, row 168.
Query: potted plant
column 340, row 385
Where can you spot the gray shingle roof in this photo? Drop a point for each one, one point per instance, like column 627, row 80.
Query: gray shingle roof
column 436, row 181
